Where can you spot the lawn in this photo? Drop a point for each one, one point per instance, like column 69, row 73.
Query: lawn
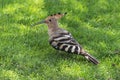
column 25, row 53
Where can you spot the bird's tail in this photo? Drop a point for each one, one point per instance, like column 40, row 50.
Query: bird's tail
column 89, row 57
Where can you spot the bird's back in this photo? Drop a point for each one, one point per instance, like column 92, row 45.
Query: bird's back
column 63, row 40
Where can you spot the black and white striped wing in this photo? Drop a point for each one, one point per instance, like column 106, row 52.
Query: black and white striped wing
column 65, row 42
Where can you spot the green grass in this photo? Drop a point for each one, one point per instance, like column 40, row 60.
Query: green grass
column 25, row 53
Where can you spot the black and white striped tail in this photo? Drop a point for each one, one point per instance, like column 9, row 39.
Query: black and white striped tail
column 90, row 58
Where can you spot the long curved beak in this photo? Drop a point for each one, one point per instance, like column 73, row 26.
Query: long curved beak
column 40, row 22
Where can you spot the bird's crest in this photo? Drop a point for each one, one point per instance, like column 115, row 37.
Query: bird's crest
column 56, row 16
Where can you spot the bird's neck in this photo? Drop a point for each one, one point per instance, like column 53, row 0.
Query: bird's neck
column 52, row 29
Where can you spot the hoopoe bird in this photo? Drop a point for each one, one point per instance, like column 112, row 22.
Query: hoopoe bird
column 61, row 39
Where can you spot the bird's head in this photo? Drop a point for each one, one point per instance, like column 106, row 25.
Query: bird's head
column 52, row 19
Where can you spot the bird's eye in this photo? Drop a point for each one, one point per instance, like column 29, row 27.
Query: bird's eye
column 50, row 20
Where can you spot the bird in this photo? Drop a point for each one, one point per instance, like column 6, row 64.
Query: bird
column 61, row 39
